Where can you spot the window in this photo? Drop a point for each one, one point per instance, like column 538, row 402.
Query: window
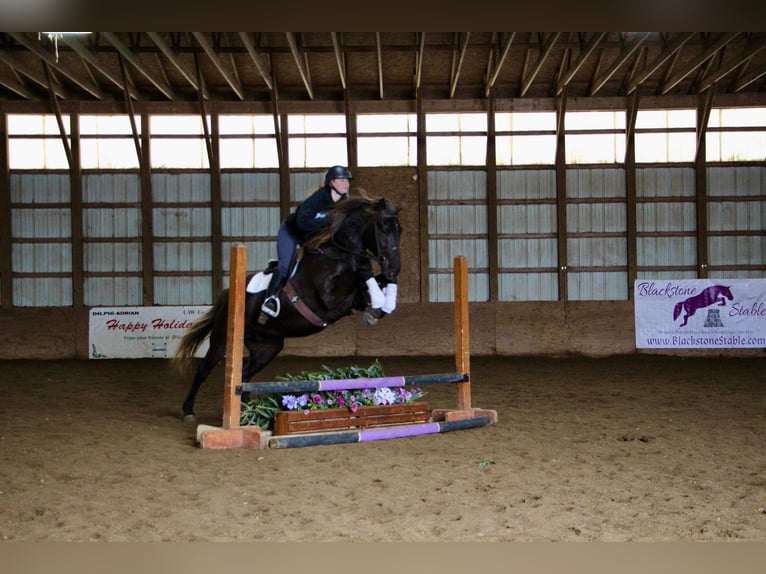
column 107, row 142
column 456, row 139
column 178, row 142
column 525, row 138
column 387, row 139
column 665, row 136
column 34, row 142
column 317, row 140
column 736, row 134
column 595, row 137
column 248, row 141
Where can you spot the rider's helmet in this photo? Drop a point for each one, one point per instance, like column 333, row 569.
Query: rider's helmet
column 337, row 172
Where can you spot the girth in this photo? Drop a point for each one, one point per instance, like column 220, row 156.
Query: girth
column 301, row 307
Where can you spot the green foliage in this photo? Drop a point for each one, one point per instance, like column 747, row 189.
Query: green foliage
column 260, row 409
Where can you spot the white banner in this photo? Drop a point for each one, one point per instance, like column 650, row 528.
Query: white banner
column 700, row 313
column 140, row 332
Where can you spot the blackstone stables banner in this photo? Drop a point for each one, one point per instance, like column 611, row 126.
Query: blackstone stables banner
column 700, row 313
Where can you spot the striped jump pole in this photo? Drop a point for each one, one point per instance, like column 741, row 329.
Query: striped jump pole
column 384, row 433
column 284, row 387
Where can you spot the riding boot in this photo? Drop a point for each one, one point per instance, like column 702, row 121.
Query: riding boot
column 271, row 305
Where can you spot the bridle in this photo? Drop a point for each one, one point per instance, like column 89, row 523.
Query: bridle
column 378, row 256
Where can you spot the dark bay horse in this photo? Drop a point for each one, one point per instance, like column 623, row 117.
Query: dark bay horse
column 327, row 282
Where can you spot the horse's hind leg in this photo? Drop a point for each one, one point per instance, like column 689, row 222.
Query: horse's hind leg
column 214, row 355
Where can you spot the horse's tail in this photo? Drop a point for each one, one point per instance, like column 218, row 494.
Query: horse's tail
column 677, row 309
column 196, row 334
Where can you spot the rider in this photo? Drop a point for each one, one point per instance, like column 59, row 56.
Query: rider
column 308, row 218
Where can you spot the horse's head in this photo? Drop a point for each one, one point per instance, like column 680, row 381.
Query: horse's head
column 366, row 228
column 384, row 242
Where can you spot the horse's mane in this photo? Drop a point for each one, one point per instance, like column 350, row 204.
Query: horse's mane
column 371, row 210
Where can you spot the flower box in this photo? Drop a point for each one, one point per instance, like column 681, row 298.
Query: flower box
column 317, row 420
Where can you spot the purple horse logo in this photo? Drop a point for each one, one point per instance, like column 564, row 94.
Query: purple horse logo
column 715, row 294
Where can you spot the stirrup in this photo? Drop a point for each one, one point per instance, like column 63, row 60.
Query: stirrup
column 265, row 308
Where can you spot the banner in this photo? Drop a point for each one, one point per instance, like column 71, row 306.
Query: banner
column 700, row 313
column 140, row 332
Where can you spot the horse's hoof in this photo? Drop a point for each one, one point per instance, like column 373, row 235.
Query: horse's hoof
column 369, row 319
column 190, row 420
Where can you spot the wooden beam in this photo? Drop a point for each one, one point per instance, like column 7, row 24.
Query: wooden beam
column 339, row 59
column 500, row 61
column 131, row 57
column 174, row 59
column 731, row 65
column 36, row 48
column 561, row 197
column 585, row 53
column 419, row 60
column 545, row 50
column 260, row 65
column 6, row 237
column 456, row 66
column 663, row 57
column 93, row 60
column 671, row 82
column 623, row 57
column 16, row 85
column 380, row 64
column 59, row 119
column 630, row 195
column 216, row 60
column 299, row 62
column 131, row 113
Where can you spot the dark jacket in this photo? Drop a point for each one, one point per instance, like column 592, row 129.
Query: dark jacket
column 310, row 216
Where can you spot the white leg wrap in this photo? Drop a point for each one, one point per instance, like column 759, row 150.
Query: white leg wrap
column 390, row 291
column 377, row 298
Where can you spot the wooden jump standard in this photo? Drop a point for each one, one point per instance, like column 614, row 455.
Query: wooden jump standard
column 232, row 435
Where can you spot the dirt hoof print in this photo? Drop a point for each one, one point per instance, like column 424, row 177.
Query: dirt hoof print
column 631, row 438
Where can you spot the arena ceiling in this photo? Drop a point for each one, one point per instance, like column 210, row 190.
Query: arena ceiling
column 387, row 66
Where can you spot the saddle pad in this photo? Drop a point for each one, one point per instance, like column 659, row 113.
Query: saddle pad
column 259, row 282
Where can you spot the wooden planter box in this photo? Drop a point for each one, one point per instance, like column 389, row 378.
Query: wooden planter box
column 294, row 422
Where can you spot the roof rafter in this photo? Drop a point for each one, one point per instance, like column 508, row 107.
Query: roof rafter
column 500, row 61
column 380, row 63
column 623, row 57
column 727, row 67
column 135, row 61
column 233, row 82
column 16, row 85
column 457, row 63
column 585, row 53
column 91, row 58
column 663, row 57
column 36, row 48
column 174, row 59
column 299, row 57
column 339, row 59
column 419, row 60
column 41, row 81
column 545, row 50
column 260, row 65
column 697, row 62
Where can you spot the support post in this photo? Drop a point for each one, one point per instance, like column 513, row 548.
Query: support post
column 235, row 330
column 462, row 333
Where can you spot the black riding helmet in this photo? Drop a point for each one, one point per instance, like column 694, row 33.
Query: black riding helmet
column 337, row 172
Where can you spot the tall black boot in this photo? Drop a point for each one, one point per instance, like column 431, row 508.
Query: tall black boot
column 271, row 306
